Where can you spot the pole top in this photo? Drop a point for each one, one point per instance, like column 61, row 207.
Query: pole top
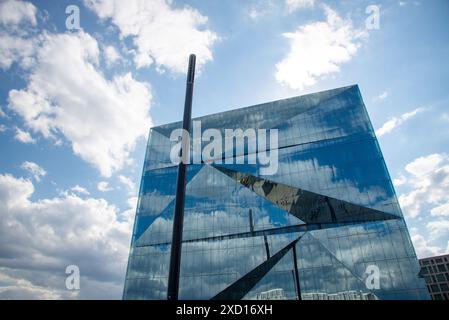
column 191, row 70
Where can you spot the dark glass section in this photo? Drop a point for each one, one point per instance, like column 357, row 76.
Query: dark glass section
column 305, row 205
column 242, row 286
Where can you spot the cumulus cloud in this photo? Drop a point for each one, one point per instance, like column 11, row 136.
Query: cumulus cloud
column 442, row 210
column 383, row 95
column 254, row 13
column 428, row 180
column 423, row 248
column 128, row 183
column 318, row 49
column 37, row 171
column 103, row 186
column 66, row 94
column 13, row 12
column 438, row 228
column 161, row 34
column 395, row 122
column 24, row 136
column 39, row 239
column 15, row 287
column 401, row 180
column 111, row 55
column 293, row 5
column 80, row 190
column 259, row 9
column 15, row 49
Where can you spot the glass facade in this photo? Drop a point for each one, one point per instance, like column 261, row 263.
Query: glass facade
column 315, row 228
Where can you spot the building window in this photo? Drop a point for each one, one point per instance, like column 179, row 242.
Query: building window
column 428, row 279
column 444, row 287
column 425, row 262
column 441, row 268
column 439, row 260
column 440, row 277
column 434, row 288
column 438, row 297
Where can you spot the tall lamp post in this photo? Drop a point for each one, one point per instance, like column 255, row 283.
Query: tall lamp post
column 178, row 220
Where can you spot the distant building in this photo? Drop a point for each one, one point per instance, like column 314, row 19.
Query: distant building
column 436, row 272
column 275, row 294
column 346, row 295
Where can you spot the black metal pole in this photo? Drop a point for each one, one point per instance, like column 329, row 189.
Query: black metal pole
column 178, row 220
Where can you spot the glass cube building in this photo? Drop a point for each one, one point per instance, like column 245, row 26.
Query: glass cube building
column 326, row 225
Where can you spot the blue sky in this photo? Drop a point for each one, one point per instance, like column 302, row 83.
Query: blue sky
column 76, row 106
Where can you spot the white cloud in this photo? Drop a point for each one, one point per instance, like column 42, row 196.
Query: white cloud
column 80, row 190
column 424, row 165
column 423, row 248
column 15, row 49
column 128, row 183
column 3, row 128
column 23, row 136
column 162, row 34
column 2, row 113
column 293, row 5
column 428, row 181
column 255, row 13
column 111, row 55
column 15, row 286
column 37, row 171
column 103, row 186
column 12, row 288
column 260, row 8
column 438, row 228
column 395, row 122
column 318, row 49
column 400, row 181
column 442, row 210
column 14, row 12
column 66, row 94
column 38, row 239
column 383, row 95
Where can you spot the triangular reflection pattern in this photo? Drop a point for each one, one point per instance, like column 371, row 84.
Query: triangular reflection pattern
column 310, row 207
column 242, row 286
